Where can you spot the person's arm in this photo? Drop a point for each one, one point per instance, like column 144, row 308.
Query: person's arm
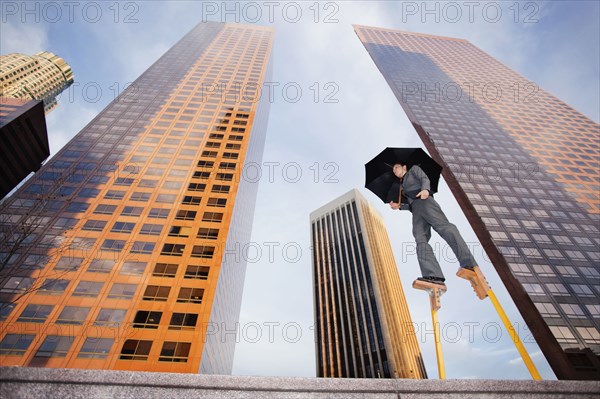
column 424, row 181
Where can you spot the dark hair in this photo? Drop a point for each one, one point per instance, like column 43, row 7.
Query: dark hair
column 401, row 163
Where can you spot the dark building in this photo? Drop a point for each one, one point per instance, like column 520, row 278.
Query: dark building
column 523, row 166
column 23, row 141
column 363, row 328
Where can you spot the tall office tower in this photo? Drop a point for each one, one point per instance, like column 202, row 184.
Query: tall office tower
column 23, row 141
column 42, row 76
column 363, row 328
column 121, row 252
column 523, row 166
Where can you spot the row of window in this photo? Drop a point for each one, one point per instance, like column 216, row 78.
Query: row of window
column 58, row 346
column 76, row 315
column 121, row 291
column 155, row 229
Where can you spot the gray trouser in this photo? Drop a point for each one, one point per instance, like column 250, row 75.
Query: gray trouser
column 427, row 214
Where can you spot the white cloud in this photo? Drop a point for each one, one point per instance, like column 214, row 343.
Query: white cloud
column 21, row 38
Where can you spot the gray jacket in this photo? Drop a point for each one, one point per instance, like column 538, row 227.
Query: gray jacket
column 415, row 181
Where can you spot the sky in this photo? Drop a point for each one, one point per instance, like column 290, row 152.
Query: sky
column 317, row 144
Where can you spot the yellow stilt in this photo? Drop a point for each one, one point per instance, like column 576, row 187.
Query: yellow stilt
column 435, row 292
column 438, row 345
column 482, row 290
column 511, row 330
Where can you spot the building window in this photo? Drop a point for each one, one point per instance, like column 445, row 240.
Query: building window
column 220, row 189
column 546, row 309
column 209, row 154
column 227, row 165
column 15, row 344
column 159, row 213
column 122, row 227
column 77, row 207
column 201, row 175
column 210, row 234
column 5, row 309
column 68, row 264
column 197, row 272
column 172, row 249
column 183, row 321
column 589, row 334
column 122, row 291
column 573, row 310
column 156, row 293
column 142, row 247
column 133, row 268
column 217, row 202
column 132, row 211
column 53, row 287
column 123, row 181
column 563, row 334
column 166, row 198
column 151, row 229
column 104, row 209
column 88, row 288
column 134, row 349
column 215, row 217
column 203, row 251
column 190, row 200
column 185, row 215
column 180, row 231
column 114, row 194
column 55, row 346
column 113, row 245
column 230, row 155
column 94, row 225
column 147, row 319
column 190, row 295
column 206, row 164
column 165, row 270
column 101, row 266
column 96, row 348
column 35, row 313
column 175, row 352
column 110, row 317
column 16, row 285
column 73, row 315
column 140, row 197
column 197, row 187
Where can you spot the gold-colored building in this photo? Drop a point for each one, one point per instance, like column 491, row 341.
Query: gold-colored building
column 363, row 328
column 41, row 76
column 523, row 165
column 120, row 253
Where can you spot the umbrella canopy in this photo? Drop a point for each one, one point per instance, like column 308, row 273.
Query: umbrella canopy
column 381, row 180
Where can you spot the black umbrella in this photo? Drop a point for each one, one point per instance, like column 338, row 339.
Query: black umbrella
column 381, row 180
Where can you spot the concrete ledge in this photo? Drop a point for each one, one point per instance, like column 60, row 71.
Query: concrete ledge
column 33, row 383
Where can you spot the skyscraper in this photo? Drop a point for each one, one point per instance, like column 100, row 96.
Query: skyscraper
column 363, row 328
column 23, row 141
column 523, row 165
column 119, row 252
column 42, row 76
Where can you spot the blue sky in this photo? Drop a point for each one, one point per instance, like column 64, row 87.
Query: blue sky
column 558, row 48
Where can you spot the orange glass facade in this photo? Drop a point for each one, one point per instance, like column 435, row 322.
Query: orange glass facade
column 363, row 328
column 523, row 166
column 118, row 253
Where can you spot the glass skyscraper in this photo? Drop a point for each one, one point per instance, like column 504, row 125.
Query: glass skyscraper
column 523, row 166
column 120, row 252
column 363, row 328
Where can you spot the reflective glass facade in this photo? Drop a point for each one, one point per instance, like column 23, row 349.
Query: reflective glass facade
column 363, row 327
column 523, row 166
column 114, row 256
